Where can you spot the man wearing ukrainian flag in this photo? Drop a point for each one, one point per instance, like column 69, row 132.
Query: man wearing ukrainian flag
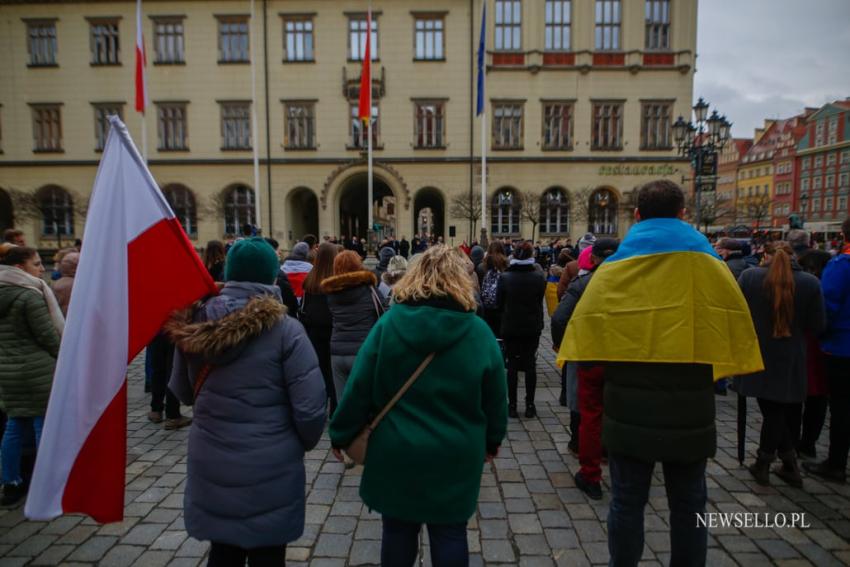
column 666, row 318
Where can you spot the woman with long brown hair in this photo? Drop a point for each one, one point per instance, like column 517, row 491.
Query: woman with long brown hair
column 316, row 316
column 786, row 303
column 214, row 255
column 490, row 271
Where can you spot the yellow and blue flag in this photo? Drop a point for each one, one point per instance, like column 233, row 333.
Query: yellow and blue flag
column 664, row 296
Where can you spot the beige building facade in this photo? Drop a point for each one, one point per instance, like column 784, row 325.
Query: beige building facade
column 580, row 97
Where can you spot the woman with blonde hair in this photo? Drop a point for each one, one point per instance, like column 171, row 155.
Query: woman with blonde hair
column 454, row 413
column 786, row 303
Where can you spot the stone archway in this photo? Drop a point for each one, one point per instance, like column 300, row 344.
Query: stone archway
column 429, row 213
column 302, row 206
column 7, row 214
column 353, row 209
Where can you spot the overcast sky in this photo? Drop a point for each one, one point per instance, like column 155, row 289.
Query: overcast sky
column 762, row 59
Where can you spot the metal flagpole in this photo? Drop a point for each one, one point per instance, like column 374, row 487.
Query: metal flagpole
column 144, row 139
column 483, row 103
column 371, row 227
column 257, row 211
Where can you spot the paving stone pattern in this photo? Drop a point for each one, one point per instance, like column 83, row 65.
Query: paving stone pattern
column 530, row 512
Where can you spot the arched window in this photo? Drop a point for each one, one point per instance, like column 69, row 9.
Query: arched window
column 504, row 216
column 238, row 209
column 602, row 212
column 182, row 202
column 554, row 212
column 57, row 211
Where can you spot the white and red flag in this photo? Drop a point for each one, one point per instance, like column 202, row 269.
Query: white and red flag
column 141, row 62
column 136, row 267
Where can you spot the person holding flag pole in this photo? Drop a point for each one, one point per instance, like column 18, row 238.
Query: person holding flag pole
column 481, row 111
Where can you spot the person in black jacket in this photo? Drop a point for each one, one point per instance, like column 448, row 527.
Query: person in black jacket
column 316, row 316
column 404, row 247
column 732, row 253
column 161, row 353
column 520, row 296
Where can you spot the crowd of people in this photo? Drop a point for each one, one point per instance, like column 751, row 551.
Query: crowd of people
column 416, row 363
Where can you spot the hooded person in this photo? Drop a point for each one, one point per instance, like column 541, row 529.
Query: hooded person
column 477, row 256
column 63, row 286
column 259, row 405
column 384, row 256
column 296, row 267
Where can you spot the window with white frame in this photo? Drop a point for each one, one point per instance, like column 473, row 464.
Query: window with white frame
column 102, row 112
column 182, row 202
column 656, row 131
column 842, row 204
column 805, row 183
column 235, row 125
column 168, row 39
column 233, row 39
column 172, row 127
column 832, row 134
column 558, row 19
column 505, row 212
column 557, row 125
column 657, row 13
column 507, row 125
column 300, row 127
column 508, row 25
column 829, row 181
column 357, row 26
column 358, row 132
column 818, row 161
column 817, row 183
column 47, row 127
column 554, row 212
column 845, row 157
column 57, row 211
column 608, row 19
column 41, row 42
column 298, row 38
column 820, row 130
column 831, row 158
column 428, row 37
column 816, row 204
column 429, row 124
column 105, row 41
column 844, row 180
column 602, row 212
column 238, row 209
column 607, row 126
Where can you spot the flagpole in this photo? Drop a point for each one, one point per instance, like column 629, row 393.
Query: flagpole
column 483, row 176
column 371, row 226
column 141, row 60
column 482, row 104
column 257, row 211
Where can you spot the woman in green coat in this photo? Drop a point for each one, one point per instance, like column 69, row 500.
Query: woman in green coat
column 425, row 458
column 30, row 325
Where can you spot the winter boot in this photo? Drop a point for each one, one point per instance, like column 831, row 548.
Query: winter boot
column 789, row 471
column 12, row 494
column 530, row 410
column 761, row 469
column 512, row 411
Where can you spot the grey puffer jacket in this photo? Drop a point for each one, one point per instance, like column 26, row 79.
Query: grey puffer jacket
column 261, row 407
column 352, row 307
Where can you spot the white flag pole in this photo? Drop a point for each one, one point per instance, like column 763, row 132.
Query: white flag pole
column 258, row 219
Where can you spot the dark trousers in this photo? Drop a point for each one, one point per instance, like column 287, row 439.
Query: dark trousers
column 224, row 555
column 400, row 544
column 591, row 385
column 686, row 495
column 323, row 352
column 522, row 356
column 778, row 428
column 838, row 373
column 160, row 392
column 814, row 416
column 575, row 428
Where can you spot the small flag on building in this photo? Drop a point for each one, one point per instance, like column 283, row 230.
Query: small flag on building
column 136, row 267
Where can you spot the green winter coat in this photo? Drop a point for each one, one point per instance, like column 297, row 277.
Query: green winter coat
column 29, row 345
column 425, row 458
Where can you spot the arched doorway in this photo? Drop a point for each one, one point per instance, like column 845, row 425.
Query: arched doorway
column 7, row 215
column 353, row 211
column 429, row 213
column 303, row 214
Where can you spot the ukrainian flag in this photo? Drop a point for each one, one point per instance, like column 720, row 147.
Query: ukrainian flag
column 664, row 296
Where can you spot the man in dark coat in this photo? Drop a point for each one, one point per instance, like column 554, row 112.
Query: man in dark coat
column 404, row 247
column 732, row 253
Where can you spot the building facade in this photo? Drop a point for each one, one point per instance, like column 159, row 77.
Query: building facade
column 785, row 169
column 755, row 176
column 580, row 97
column 727, row 180
column 823, row 168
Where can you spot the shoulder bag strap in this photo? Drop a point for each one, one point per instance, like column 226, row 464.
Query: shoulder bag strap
column 379, row 309
column 403, row 389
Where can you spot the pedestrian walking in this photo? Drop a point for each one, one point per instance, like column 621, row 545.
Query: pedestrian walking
column 836, row 344
column 520, row 297
column 425, row 458
column 316, row 315
column 31, row 325
column 665, row 317
column 259, row 404
column 355, row 306
column 786, row 303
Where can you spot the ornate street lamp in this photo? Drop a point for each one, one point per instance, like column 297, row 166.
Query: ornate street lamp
column 701, row 141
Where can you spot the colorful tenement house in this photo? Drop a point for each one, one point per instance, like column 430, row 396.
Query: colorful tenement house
column 823, row 167
column 727, row 180
column 785, row 169
column 755, row 176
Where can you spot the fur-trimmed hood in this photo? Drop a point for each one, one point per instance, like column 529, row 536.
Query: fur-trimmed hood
column 342, row 282
column 218, row 338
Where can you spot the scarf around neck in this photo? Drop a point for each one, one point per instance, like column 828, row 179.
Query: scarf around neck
column 12, row 276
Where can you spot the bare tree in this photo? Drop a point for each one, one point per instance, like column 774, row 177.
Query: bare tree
column 580, row 207
column 29, row 206
column 530, row 210
column 713, row 209
column 467, row 208
column 758, row 208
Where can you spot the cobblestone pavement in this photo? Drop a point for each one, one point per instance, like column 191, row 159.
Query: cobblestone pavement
column 530, row 511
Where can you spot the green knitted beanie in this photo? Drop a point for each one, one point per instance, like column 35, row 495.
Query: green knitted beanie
column 251, row 260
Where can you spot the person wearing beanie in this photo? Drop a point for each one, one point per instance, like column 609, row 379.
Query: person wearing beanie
column 296, row 267
column 589, row 387
column 396, row 268
column 520, row 292
column 259, row 403
column 384, row 256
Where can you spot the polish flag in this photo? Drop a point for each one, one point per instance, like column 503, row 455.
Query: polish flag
column 137, row 266
column 365, row 102
column 141, row 62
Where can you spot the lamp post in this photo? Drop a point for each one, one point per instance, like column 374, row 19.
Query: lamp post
column 700, row 141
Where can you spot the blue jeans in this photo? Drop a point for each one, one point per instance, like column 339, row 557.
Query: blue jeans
column 401, row 543
column 10, row 450
column 686, row 495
